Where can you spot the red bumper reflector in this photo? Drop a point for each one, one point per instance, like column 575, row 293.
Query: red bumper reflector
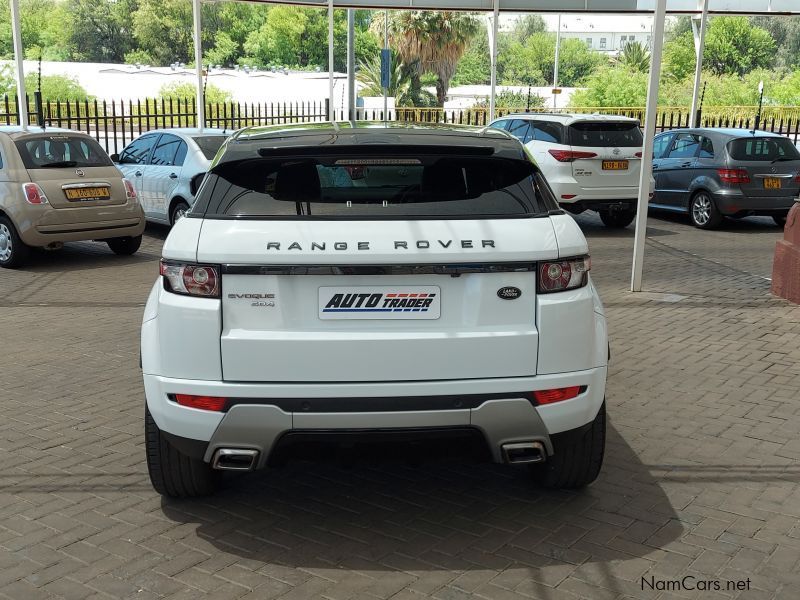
column 568, row 196
column 202, row 402
column 556, row 395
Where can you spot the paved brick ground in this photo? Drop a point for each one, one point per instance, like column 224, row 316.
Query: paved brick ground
column 701, row 476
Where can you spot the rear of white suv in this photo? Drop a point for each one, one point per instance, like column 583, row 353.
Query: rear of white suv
column 592, row 162
column 373, row 282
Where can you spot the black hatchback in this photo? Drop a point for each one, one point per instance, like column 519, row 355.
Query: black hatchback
column 715, row 173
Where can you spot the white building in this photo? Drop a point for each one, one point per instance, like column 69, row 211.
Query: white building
column 604, row 33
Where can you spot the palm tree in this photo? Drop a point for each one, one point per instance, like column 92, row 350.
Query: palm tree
column 369, row 74
column 635, row 57
column 430, row 42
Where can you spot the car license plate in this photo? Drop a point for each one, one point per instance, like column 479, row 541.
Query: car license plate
column 380, row 302
column 615, row 165
column 88, row 193
column 772, row 183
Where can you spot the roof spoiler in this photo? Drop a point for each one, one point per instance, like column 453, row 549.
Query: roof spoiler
column 361, row 149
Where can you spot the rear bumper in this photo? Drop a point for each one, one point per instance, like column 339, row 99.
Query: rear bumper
column 739, row 205
column 46, row 225
column 266, row 413
column 575, row 198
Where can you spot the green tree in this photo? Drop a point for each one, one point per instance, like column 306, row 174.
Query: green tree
column 163, row 29
column 634, row 56
column 431, row 42
column 733, row 47
column 785, row 32
column 54, row 87
column 185, row 90
column 101, row 31
column 526, row 26
column 223, row 52
column 532, row 63
column 612, row 87
column 475, row 65
column 369, row 75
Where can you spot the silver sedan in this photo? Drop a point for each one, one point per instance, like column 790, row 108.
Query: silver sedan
column 166, row 166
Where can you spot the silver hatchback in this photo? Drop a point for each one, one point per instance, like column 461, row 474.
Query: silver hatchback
column 716, row 173
column 166, row 166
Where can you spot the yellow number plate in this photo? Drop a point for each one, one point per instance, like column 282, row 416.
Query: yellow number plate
column 772, row 183
column 91, row 193
column 615, row 165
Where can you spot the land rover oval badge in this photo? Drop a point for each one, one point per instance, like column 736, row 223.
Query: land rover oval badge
column 509, row 293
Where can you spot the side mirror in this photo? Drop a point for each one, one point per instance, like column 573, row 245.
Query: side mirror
column 194, row 183
column 114, row 157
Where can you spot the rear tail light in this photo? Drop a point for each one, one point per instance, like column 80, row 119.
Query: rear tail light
column 638, row 154
column 797, row 178
column 214, row 403
column 733, row 176
column 556, row 395
column 567, row 274
column 130, row 192
column 570, row 155
column 34, row 194
column 191, row 280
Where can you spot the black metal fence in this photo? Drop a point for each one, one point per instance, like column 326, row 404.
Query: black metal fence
column 114, row 123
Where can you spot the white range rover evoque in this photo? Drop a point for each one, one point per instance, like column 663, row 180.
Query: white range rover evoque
column 337, row 282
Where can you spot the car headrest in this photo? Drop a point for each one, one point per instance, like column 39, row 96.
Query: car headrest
column 297, row 182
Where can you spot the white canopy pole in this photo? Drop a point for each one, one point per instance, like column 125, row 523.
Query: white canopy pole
column 699, row 47
column 22, row 104
column 493, row 59
column 198, row 65
column 351, row 64
column 331, row 112
column 647, row 151
column 555, row 64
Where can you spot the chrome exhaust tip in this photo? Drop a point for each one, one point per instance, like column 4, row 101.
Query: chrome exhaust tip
column 524, row 453
column 234, row 459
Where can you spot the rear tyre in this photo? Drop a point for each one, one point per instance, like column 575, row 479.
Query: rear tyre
column 178, row 212
column 575, row 463
column 125, row 246
column 703, row 212
column 779, row 221
column 13, row 251
column 617, row 219
column 172, row 473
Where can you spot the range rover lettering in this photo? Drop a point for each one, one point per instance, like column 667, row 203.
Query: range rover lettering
column 371, row 281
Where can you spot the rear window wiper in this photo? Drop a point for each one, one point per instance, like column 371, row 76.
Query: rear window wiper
column 58, row 164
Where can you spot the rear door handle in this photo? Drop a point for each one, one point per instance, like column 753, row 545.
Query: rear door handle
column 655, row 166
column 173, row 176
column 138, row 173
column 686, row 164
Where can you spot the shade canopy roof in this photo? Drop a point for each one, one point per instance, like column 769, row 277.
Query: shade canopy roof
column 749, row 7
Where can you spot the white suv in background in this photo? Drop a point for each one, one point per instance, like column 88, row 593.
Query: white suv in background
column 373, row 283
column 592, row 162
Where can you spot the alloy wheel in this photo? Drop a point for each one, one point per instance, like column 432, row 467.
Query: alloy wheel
column 701, row 209
column 6, row 248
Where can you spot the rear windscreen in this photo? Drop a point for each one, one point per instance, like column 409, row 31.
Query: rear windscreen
column 353, row 187
column 765, row 149
column 61, row 151
column 209, row 144
column 620, row 135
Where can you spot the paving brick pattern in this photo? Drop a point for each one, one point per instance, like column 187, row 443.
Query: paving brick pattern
column 701, row 475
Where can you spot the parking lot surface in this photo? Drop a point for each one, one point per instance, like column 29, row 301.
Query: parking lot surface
column 700, row 479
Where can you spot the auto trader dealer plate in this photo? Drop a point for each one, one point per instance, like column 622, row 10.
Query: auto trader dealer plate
column 384, row 302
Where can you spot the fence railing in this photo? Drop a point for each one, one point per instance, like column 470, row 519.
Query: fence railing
column 114, row 123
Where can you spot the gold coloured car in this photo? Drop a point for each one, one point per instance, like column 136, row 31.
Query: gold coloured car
column 60, row 186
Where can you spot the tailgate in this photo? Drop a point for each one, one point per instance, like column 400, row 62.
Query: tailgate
column 379, row 301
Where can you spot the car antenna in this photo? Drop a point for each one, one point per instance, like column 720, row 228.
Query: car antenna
column 38, row 96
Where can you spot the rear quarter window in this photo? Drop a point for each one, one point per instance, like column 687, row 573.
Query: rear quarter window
column 375, row 187
column 608, row 134
column 765, row 149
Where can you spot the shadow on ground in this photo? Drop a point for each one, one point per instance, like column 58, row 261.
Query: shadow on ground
column 441, row 515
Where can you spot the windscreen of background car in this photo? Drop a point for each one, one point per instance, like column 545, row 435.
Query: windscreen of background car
column 605, row 134
column 209, row 144
column 352, row 187
column 61, row 151
column 765, row 149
